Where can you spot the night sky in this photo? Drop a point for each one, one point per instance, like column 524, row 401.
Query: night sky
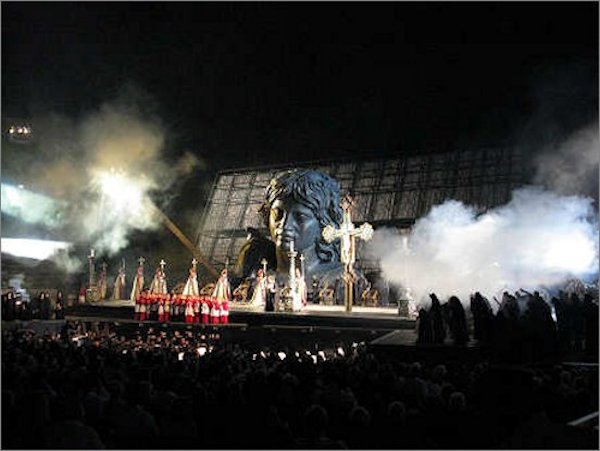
column 246, row 83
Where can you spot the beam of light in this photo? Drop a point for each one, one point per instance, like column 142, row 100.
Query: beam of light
column 124, row 194
column 30, row 207
column 34, row 249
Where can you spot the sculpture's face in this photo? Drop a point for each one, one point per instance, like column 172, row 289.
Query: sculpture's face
column 290, row 221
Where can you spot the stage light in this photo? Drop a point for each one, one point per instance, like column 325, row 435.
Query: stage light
column 30, row 207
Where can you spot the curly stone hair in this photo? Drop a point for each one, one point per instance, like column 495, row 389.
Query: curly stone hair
column 316, row 190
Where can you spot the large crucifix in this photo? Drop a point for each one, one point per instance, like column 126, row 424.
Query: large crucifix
column 347, row 233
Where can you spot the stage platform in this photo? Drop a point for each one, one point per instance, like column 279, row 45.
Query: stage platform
column 402, row 344
column 322, row 316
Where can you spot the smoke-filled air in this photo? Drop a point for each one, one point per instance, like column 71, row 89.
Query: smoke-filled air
column 539, row 240
column 95, row 176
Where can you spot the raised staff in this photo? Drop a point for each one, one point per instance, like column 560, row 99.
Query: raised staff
column 347, row 233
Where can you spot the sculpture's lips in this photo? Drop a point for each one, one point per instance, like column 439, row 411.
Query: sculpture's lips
column 285, row 241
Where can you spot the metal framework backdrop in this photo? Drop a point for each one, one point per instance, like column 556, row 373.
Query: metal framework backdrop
column 392, row 192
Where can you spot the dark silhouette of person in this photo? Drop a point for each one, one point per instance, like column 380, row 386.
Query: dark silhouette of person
column 457, row 321
column 437, row 320
column 424, row 330
column 316, row 421
column 59, row 312
column 482, row 318
column 271, row 290
column 590, row 319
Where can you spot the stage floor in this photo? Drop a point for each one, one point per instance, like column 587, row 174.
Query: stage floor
column 308, row 310
column 383, row 318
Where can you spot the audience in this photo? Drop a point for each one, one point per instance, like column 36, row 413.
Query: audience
column 108, row 386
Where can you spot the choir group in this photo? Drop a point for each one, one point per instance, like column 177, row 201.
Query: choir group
column 191, row 306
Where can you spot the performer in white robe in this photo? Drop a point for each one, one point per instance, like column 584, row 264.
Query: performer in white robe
column 119, row 287
column 191, row 286
column 138, row 283
column 102, row 282
column 222, row 291
column 221, row 296
column 159, row 282
column 301, row 292
column 259, row 296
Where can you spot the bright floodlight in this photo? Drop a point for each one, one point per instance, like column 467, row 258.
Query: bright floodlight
column 121, row 191
column 35, row 249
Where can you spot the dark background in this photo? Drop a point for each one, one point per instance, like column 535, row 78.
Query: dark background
column 241, row 82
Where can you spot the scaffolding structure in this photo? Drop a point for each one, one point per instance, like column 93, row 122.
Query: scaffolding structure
column 388, row 192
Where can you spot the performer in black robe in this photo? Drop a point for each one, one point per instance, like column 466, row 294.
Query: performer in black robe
column 271, row 292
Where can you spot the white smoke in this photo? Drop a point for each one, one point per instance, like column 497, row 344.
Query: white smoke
column 538, row 239
column 102, row 169
column 572, row 166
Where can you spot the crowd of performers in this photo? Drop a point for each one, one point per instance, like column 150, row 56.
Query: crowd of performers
column 191, row 306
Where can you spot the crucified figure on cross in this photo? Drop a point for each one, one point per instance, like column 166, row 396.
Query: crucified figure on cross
column 347, row 234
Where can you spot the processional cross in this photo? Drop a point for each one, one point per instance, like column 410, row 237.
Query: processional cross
column 92, row 267
column 194, row 263
column 162, row 264
column 347, row 234
column 141, row 261
column 264, row 262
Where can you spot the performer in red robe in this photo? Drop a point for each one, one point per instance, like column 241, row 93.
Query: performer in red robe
column 205, row 309
column 176, row 307
column 136, row 314
column 142, row 302
column 215, row 312
column 225, row 313
column 167, row 308
column 161, row 310
column 196, row 310
column 189, row 309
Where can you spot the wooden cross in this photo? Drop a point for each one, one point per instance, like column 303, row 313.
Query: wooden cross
column 347, row 234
